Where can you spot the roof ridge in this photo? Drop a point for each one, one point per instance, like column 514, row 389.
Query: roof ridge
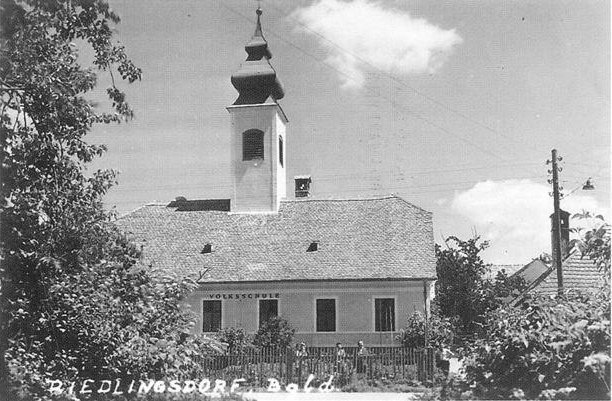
column 371, row 198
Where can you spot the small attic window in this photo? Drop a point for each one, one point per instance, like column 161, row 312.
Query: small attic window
column 207, row 248
column 313, row 247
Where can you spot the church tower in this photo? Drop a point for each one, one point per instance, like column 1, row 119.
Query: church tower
column 258, row 124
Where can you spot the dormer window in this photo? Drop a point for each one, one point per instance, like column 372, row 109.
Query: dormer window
column 253, row 145
column 207, row 249
column 313, row 247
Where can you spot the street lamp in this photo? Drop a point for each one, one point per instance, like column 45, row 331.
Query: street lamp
column 588, row 185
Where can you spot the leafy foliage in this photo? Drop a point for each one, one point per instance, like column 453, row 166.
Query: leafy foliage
column 595, row 244
column 276, row 332
column 74, row 301
column 440, row 331
column 462, row 291
column 505, row 288
column 544, row 348
column 547, row 348
column 236, row 339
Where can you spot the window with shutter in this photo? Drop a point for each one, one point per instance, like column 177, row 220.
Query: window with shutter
column 326, row 314
column 252, row 145
column 211, row 316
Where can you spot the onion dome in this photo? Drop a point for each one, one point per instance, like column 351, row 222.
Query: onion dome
column 256, row 79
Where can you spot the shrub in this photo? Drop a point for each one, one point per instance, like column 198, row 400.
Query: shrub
column 276, row 332
column 548, row 348
column 236, row 339
column 440, row 331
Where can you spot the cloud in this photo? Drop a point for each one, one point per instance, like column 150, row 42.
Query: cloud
column 514, row 216
column 367, row 35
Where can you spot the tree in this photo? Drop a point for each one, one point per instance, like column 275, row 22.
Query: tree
column 461, row 289
column 75, row 302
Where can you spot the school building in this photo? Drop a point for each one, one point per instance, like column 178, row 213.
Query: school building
column 336, row 269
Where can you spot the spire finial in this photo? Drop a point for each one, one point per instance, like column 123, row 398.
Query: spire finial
column 258, row 31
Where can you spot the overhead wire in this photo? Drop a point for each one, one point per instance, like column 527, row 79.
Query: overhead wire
column 401, row 106
column 394, row 78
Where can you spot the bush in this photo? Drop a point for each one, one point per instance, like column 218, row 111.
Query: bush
column 548, row 349
column 236, row 339
column 440, row 331
column 276, row 332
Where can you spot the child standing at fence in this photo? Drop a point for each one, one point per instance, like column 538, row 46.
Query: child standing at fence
column 340, row 368
column 300, row 351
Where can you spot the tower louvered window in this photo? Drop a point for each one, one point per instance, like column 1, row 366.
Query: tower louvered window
column 252, row 145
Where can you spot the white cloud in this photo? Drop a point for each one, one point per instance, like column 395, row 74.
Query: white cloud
column 514, row 216
column 367, row 35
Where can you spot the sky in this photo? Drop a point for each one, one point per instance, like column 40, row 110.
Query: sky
column 454, row 106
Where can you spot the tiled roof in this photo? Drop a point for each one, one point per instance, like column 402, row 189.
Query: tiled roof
column 579, row 274
column 378, row 238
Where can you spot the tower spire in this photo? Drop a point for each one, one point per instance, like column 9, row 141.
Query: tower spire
column 258, row 31
column 256, row 79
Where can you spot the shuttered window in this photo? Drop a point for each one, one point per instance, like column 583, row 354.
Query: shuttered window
column 211, row 316
column 326, row 315
column 252, row 145
column 280, row 151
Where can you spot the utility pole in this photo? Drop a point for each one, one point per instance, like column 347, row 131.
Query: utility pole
column 556, row 219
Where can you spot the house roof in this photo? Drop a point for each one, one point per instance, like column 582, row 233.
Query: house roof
column 375, row 238
column 579, row 274
column 532, row 270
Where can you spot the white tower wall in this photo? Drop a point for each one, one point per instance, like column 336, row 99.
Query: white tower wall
column 258, row 185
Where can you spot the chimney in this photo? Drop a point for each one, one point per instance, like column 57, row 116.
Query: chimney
column 564, row 217
column 302, row 186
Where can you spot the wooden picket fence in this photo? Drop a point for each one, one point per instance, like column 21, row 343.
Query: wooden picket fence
column 257, row 365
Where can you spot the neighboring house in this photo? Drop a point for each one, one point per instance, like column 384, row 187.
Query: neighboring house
column 579, row 274
column 532, row 271
column 529, row 272
column 337, row 270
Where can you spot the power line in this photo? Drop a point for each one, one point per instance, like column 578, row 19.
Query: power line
column 397, row 80
column 401, row 106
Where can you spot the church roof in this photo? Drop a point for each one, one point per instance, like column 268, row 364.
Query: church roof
column 356, row 239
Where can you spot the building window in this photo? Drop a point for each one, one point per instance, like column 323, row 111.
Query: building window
column 280, row 150
column 326, row 315
column 252, row 145
column 268, row 308
column 211, row 316
column 384, row 314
